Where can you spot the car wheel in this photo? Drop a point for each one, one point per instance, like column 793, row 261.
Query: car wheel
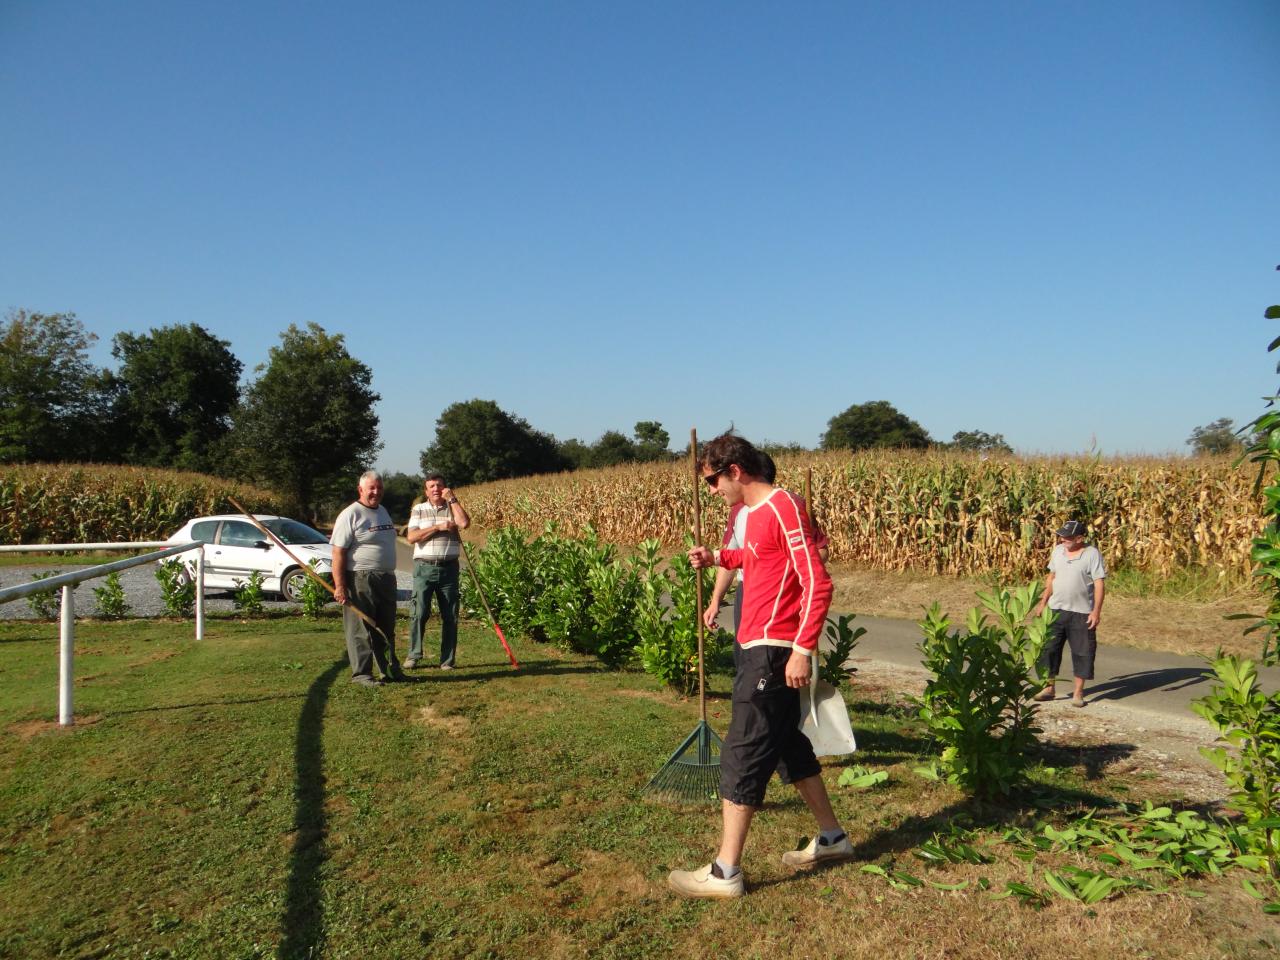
column 291, row 584
column 185, row 576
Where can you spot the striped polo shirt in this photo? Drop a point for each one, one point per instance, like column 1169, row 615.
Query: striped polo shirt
column 443, row 546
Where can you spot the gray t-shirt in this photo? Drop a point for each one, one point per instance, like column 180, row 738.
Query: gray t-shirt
column 368, row 536
column 1073, row 578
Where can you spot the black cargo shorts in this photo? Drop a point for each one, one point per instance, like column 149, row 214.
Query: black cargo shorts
column 764, row 735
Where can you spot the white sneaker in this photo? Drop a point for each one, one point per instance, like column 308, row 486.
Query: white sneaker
column 409, row 664
column 702, row 883
column 816, row 853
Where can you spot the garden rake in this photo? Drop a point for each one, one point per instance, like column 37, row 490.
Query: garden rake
column 692, row 773
column 485, row 600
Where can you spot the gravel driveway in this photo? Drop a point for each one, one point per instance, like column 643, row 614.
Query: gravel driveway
column 141, row 591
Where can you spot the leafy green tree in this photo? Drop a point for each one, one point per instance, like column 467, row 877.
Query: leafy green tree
column 306, row 426
column 1215, row 438
column 979, row 441
column 652, row 441
column 874, row 424
column 399, row 491
column 477, row 441
column 50, row 394
column 575, row 453
column 612, row 449
column 175, row 391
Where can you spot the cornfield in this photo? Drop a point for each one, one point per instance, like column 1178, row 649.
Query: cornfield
column 932, row 512
column 66, row 503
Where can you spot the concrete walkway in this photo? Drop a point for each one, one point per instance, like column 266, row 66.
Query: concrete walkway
column 1158, row 683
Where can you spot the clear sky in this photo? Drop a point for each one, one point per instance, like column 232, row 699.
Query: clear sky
column 1052, row 221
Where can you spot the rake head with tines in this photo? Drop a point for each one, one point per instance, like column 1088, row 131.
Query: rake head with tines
column 692, row 773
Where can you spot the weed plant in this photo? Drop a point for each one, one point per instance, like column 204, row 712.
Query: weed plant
column 842, row 638
column 248, row 598
column 1248, row 720
column 112, row 604
column 314, row 597
column 977, row 703
column 45, row 604
column 177, row 589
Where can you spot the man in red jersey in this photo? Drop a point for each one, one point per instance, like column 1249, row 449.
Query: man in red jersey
column 786, row 595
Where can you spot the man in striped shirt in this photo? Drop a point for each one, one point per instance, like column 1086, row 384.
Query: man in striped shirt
column 786, row 595
column 433, row 530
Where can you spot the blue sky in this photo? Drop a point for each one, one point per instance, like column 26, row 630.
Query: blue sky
column 1051, row 221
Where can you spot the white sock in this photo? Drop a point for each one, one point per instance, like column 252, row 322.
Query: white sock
column 726, row 871
column 828, row 837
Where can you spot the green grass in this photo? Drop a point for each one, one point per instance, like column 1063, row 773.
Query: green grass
column 239, row 797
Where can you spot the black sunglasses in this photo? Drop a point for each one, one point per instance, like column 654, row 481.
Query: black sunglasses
column 711, row 478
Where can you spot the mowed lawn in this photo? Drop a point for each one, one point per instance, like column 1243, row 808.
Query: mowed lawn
column 239, row 797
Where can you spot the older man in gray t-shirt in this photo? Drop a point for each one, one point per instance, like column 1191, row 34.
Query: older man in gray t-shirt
column 364, row 579
column 1073, row 590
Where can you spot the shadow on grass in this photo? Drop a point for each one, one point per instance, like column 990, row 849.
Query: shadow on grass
column 210, row 703
column 303, row 921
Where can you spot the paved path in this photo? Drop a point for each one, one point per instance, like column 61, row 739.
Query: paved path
column 1158, row 683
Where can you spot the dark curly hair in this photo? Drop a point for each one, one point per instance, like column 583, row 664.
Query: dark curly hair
column 729, row 448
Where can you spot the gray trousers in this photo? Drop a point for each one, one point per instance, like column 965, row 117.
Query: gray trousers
column 373, row 592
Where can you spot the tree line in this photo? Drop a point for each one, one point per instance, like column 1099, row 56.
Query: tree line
column 302, row 425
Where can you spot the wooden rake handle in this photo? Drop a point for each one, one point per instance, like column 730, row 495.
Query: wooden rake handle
column 697, row 574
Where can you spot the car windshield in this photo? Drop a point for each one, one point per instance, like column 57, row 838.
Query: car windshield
column 291, row 531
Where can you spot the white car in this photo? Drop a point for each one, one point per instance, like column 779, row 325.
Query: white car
column 234, row 548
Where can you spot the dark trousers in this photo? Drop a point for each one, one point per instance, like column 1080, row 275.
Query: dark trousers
column 439, row 581
column 373, row 592
column 1071, row 629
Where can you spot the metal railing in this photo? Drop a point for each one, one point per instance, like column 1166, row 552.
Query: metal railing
column 68, row 582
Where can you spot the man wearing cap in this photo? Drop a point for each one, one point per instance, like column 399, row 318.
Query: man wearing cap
column 433, row 530
column 1073, row 590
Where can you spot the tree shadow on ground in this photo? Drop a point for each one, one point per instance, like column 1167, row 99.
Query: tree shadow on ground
column 1126, row 685
column 303, row 922
column 1092, row 759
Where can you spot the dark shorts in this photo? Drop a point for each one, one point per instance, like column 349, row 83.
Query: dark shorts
column 764, row 735
column 1071, row 629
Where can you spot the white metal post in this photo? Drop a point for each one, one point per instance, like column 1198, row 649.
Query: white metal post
column 68, row 629
column 200, row 593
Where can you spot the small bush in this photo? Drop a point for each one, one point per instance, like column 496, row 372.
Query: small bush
column 177, row 589
column 843, row 639
column 46, row 604
column 314, row 596
column 110, row 595
column 978, row 702
column 248, row 598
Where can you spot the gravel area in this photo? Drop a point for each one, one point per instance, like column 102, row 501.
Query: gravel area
column 141, row 590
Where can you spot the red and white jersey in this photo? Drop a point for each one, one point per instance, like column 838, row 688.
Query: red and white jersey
column 787, row 590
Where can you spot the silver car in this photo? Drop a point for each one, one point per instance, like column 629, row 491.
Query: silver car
column 234, row 548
